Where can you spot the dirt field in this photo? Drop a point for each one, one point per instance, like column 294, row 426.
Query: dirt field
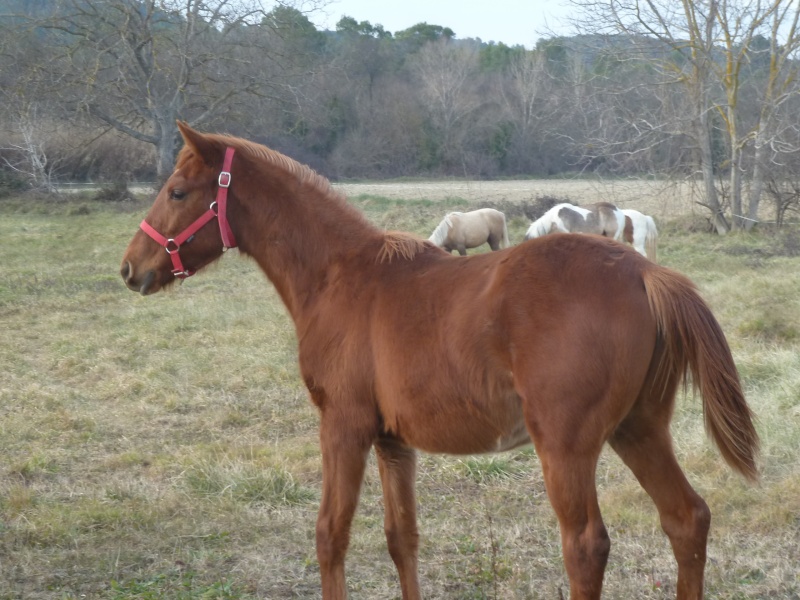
column 657, row 198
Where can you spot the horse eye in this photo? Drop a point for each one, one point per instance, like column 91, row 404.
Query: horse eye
column 177, row 194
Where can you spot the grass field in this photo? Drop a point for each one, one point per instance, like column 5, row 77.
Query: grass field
column 164, row 447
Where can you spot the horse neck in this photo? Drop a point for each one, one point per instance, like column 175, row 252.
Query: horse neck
column 541, row 226
column 439, row 235
column 297, row 232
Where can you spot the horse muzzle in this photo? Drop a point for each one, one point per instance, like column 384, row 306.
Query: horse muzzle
column 142, row 284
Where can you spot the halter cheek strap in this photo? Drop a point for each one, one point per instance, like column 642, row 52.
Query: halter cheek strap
column 224, row 181
column 218, row 209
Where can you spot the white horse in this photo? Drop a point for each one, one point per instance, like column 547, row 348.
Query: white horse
column 459, row 230
column 601, row 219
column 643, row 234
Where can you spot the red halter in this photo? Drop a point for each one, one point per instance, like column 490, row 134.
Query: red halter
column 218, row 209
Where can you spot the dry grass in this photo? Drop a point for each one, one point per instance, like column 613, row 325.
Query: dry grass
column 661, row 199
column 164, row 447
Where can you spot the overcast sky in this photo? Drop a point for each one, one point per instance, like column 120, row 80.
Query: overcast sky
column 509, row 21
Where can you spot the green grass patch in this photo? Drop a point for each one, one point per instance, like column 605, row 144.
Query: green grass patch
column 242, row 482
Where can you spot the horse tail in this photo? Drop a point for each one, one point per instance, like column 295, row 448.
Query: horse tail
column 651, row 238
column 694, row 343
column 505, row 243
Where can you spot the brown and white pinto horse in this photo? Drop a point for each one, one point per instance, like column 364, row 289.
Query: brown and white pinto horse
column 405, row 347
column 602, row 218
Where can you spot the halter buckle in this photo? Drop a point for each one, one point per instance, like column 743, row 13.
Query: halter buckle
column 224, row 179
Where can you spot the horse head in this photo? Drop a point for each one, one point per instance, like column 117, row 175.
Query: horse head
column 177, row 237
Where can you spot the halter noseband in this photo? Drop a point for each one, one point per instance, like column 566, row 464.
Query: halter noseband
column 217, row 209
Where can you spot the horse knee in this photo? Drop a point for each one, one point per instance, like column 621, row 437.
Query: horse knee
column 597, row 545
column 331, row 544
column 401, row 543
column 585, row 557
column 588, row 548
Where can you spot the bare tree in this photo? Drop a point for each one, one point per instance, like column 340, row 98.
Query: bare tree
column 446, row 72
column 769, row 133
column 677, row 39
column 710, row 43
column 526, row 100
column 32, row 160
column 138, row 66
column 26, row 112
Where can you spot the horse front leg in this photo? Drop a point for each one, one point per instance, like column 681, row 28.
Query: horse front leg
column 397, row 465
column 344, row 456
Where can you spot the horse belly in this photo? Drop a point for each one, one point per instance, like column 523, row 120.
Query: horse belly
column 476, row 236
column 460, row 426
column 513, row 438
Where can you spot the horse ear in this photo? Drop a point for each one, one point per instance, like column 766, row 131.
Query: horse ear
column 202, row 146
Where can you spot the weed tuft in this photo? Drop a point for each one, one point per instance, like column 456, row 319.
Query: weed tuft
column 241, row 482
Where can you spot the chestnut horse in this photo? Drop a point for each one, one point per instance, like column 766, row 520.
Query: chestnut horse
column 568, row 341
column 462, row 230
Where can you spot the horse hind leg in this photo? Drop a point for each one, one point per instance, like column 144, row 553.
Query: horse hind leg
column 569, row 463
column 397, row 467
column 644, row 444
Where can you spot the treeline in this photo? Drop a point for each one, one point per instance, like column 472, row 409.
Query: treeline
column 357, row 102
column 90, row 91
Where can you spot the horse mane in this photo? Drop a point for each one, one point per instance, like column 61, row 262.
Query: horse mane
column 400, row 245
column 303, row 173
column 544, row 224
column 439, row 235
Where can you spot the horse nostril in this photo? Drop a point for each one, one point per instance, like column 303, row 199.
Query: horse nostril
column 125, row 271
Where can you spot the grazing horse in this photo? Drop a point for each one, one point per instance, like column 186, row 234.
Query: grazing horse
column 403, row 347
column 462, row 230
column 601, row 219
column 640, row 232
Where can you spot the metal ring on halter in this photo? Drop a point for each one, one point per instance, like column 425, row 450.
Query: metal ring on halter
column 166, row 246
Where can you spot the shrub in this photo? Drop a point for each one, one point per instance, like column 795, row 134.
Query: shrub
column 114, row 192
column 11, row 183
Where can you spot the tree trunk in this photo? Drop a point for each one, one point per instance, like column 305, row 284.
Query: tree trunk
column 757, row 183
column 168, row 131
column 737, row 220
column 707, row 167
column 737, row 216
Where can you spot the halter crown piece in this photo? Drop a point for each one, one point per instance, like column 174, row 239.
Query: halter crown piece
column 218, row 208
